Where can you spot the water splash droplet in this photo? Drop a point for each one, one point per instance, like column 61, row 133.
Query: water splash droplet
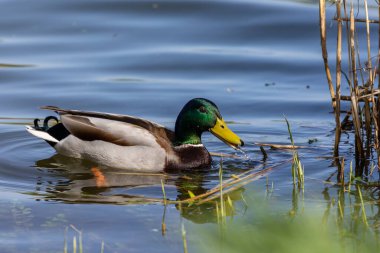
column 245, row 155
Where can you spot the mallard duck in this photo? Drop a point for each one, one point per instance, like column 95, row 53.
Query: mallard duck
column 127, row 142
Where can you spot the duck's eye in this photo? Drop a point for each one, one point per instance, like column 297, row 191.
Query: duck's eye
column 202, row 109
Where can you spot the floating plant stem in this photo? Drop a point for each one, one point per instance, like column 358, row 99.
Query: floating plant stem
column 232, row 184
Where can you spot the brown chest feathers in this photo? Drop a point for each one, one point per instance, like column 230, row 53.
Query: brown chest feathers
column 189, row 157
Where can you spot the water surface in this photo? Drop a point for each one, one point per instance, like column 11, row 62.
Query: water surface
column 257, row 60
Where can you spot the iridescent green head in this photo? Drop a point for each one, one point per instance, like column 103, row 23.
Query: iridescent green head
column 200, row 115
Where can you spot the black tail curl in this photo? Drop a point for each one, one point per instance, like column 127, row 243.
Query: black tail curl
column 45, row 126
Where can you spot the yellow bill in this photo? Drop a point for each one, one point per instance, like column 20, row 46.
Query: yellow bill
column 221, row 131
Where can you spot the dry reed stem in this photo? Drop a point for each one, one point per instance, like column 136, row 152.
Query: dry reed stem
column 360, row 20
column 322, row 24
column 362, row 98
column 352, row 50
column 376, row 115
column 372, row 94
column 375, row 104
column 366, row 118
column 369, row 63
column 354, row 90
column 359, row 64
column 338, row 81
column 371, row 80
column 369, row 84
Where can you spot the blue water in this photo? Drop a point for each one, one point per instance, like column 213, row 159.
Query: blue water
column 257, row 60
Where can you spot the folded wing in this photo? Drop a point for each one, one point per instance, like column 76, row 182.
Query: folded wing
column 122, row 130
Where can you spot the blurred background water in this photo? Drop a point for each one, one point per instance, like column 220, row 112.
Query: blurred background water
column 257, row 60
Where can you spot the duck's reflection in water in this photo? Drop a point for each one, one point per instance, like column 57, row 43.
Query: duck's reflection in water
column 79, row 181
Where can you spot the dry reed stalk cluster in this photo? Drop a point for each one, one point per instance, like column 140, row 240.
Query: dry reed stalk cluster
column 360, row 76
